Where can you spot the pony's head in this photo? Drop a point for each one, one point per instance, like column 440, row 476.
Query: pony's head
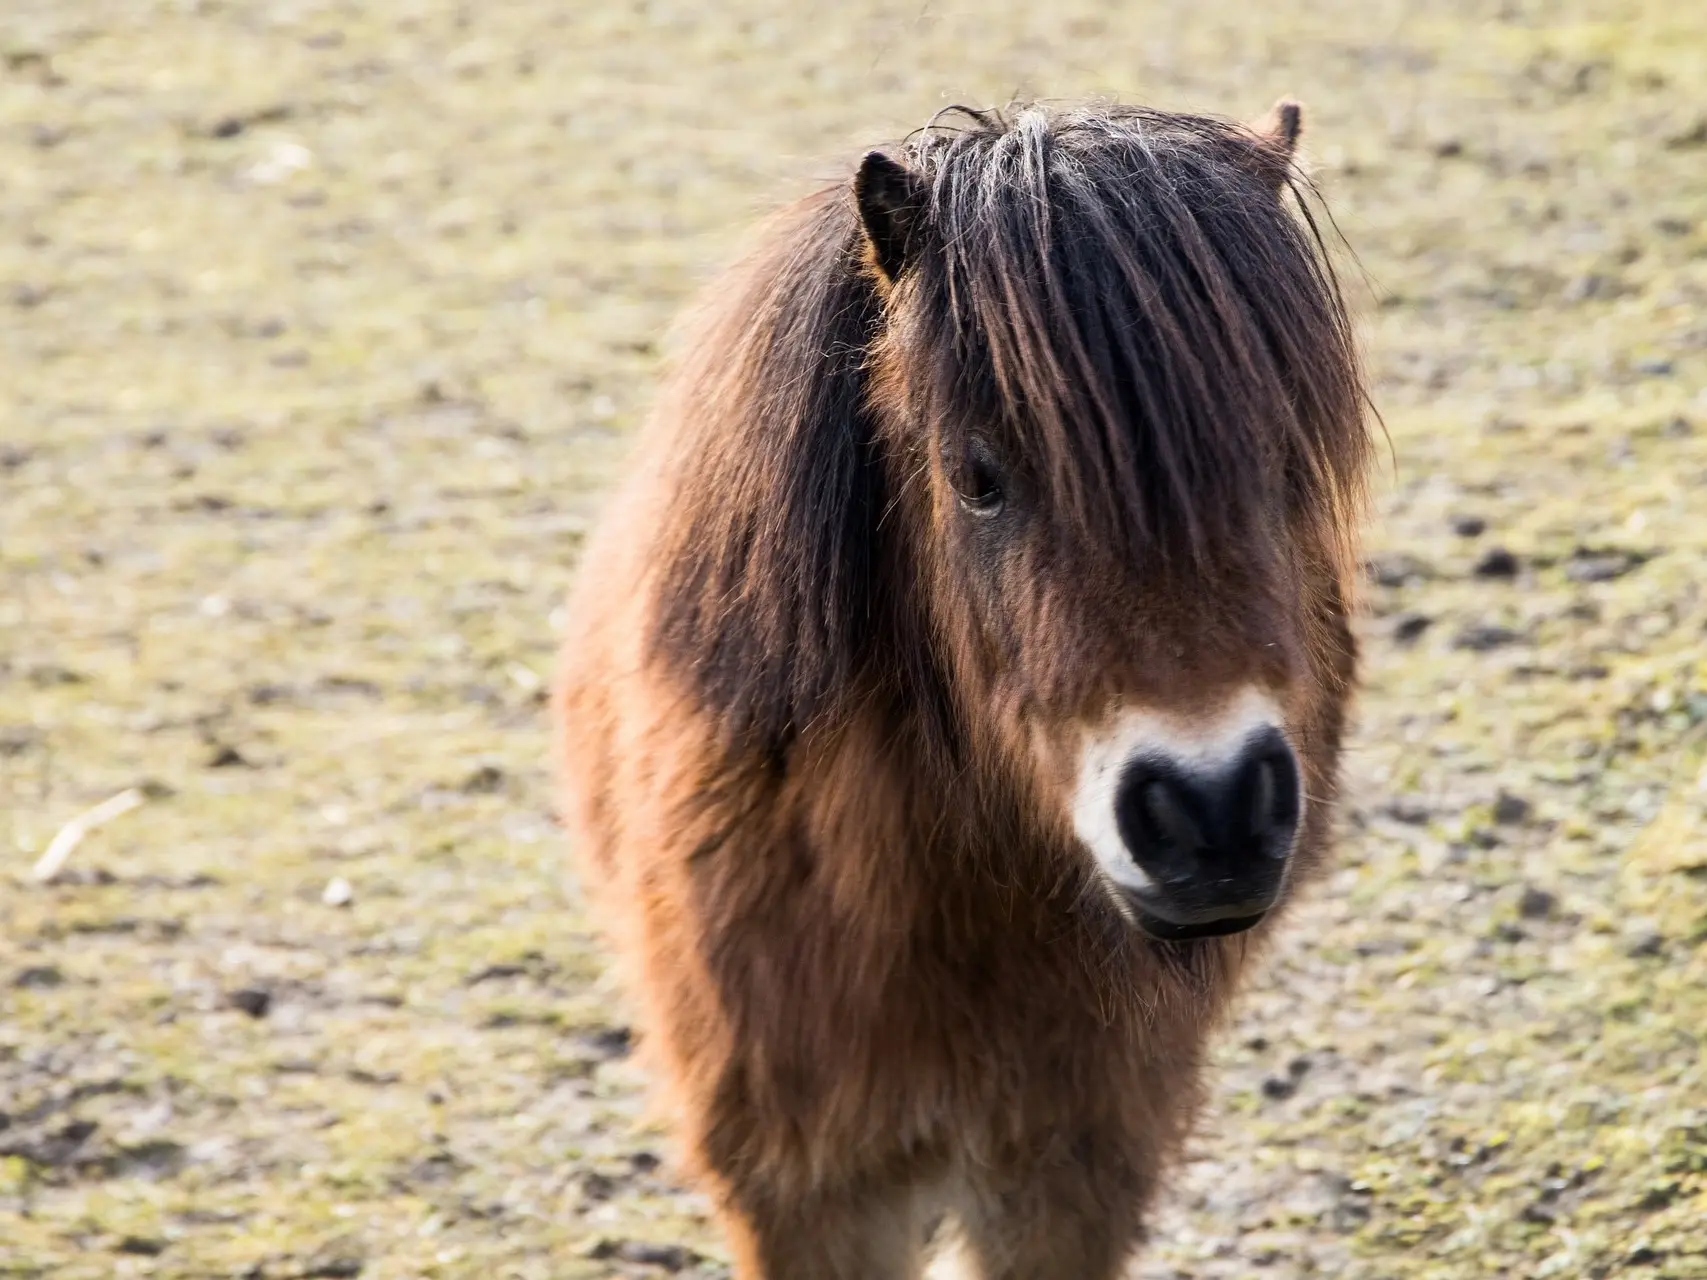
column 1054, row 426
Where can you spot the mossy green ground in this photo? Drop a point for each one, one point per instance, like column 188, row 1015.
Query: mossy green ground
column 325, row 325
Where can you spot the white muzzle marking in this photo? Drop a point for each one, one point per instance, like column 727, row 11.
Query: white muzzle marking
column 1137, row 734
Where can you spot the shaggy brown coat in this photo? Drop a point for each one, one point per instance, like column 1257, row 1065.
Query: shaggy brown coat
column 818, row 713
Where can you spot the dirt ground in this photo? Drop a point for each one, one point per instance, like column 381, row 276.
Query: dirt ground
column 323, row 326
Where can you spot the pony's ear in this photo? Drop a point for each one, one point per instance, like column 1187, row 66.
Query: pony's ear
column 1281, row 127
column 1278, row 134
column 892, row 200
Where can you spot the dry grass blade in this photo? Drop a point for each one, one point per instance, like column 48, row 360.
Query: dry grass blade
column 72, row 834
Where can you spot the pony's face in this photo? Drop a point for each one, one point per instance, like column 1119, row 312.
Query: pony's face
column 1126, row 500
column 1160, row 714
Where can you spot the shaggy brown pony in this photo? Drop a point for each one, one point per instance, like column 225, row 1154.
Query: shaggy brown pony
column 954, row 694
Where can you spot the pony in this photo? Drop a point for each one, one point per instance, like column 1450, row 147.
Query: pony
column 953, row 694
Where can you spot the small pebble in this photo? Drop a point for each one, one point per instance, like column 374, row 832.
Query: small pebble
column 1469, row 526
column 1497, row 562
column 1396, row 569
column 610, row 1042
column 1510, row 810
column 335, row 1267
column 1588, row 565
column 254, row 1001
column 1481, row 637
column 338, row 892
column 37, row 977
column 669, row 1257
column 228, row 757
column 1408, row 626
column 485, row 780
column 1412, row 813
column 493, row 972
column 141, row 1246
column 1536, row 904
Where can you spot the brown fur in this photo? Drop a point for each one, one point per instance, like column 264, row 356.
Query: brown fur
column 817, row 721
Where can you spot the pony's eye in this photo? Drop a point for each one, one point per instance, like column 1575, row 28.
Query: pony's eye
column 977, row 480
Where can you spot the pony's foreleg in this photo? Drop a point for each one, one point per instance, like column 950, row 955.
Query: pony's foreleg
column 1063, row 1222
column 852, row 1237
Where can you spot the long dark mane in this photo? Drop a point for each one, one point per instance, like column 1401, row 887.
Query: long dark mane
column 1121, row 292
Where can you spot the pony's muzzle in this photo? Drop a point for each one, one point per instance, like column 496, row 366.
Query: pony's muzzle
column 1212, row 839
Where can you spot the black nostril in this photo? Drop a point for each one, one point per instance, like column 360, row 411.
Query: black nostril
column 1183, row 821
column 1166, row 821
column 1265, row 790
column 1262, row 795
column 1169, row 820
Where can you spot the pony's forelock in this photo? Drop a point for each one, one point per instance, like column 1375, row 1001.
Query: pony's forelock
column 1134, row 301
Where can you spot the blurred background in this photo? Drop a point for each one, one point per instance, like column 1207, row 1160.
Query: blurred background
column 323, row 327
